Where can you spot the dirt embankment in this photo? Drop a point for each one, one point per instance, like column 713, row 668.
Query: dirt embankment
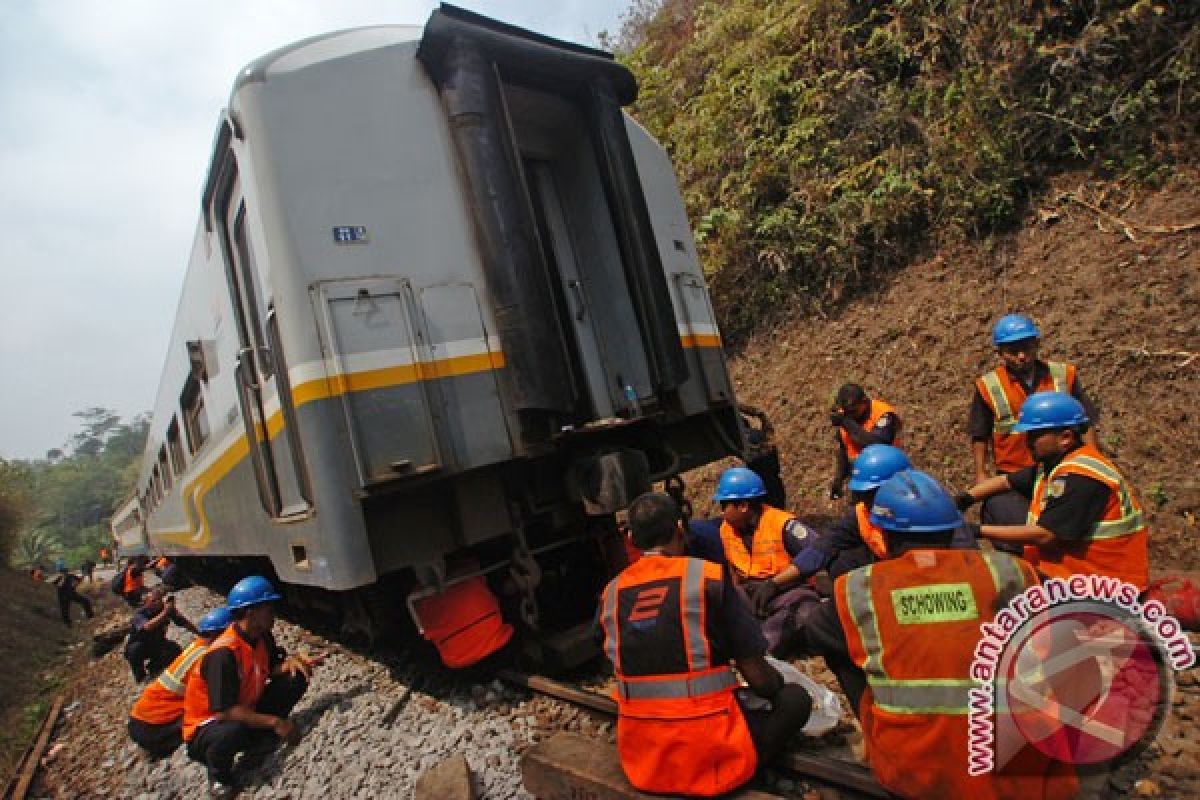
column 38, row 653
column 1121, row 302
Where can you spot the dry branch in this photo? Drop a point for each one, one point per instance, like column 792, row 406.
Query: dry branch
column 1128, row 227
column 1145, row 352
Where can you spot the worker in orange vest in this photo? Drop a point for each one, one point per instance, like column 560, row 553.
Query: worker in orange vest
column 859, row 421
column 240, row 699
column 463, row 621
column 671, row 626
column 1084, row 516
column 853, row 540
column 997, row 401
column 769, row 553
column 156, row 720
column 134, row 581
column 900, row 636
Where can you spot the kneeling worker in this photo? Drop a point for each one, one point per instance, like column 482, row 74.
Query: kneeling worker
column 156, row 720
column 903, row 655
column 148, row 650
column 1083, row 514
column 240, row 698
column 671, row 625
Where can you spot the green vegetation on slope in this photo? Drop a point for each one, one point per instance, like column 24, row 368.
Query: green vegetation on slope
column 821, row 143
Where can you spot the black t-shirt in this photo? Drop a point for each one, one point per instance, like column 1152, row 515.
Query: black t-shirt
column 220, row 671
column 981, row 419
column 734, row 631
column 1072, row 510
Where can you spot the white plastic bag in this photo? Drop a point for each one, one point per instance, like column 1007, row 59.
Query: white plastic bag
column 827, row 706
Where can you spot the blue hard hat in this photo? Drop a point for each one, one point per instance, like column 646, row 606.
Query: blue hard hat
column 1014, row 328
column 875, row 464
column 739, row 483
column 912, row 502
column 215, row 621
column 251, row 591
column 1043, row 411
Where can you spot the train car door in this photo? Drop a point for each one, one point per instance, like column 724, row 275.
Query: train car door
column 264, row 393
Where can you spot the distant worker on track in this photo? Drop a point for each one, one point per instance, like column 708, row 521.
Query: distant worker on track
column 859, row 421
column 67, row 585
column 240, row 699
column 769, row 553
column 671, row 625
column 1084, row 516
column 148, row 650
column 156, row 720
column 133, row 580
column 906, row 667
column 997, row 401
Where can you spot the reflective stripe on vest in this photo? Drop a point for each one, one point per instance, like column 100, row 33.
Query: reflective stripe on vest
column 924, row 696
column 693, row 614
column 1131, row 519
column 173, row 679
column 672, row 688
column 608, row 619
column 1004, row 413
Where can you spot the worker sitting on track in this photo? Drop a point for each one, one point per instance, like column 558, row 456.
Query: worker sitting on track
column 240, row 699
column 148, row 650
column 1083, row 514
column 903, row 653
column 769, row 553
column 859, row 421
column 463, row 621
column 156, row 720
column 671, row 625
column 996, row 402
column 133, row 581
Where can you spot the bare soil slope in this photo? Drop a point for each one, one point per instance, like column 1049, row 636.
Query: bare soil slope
column 1120, row 301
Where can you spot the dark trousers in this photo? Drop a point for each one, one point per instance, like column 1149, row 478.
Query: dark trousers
column 134, row 598
column 785, row 615
column 772, row 728
column 217, row 743
column 1007, row 508
column 68, row 596
column 157, row 740
column 148, row 657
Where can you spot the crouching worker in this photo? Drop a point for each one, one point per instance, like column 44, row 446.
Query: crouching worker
column 901, row 637
column 240, row 699
column 148, row 650
column 671, row 625
column 156, row 720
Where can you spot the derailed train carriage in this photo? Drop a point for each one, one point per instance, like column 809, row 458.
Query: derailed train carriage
column 443, row 300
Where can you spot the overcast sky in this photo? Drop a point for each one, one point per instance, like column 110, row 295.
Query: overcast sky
column 107, row 112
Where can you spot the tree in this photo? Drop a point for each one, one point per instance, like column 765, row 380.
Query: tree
column 14, row 504
column 36, row 546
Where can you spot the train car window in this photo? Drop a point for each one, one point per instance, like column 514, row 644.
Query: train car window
column 164, row 468
column 175, row 447
column 195, row 420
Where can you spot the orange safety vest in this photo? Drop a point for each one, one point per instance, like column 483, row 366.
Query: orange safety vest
column 161, row 702
column 912, row 624
column 133, row 582
column 1004, row 397
column 871, row 534
column 254, row 665
column 680, row 729
column 878, row 409
column 767, row 556
column 463, row 622
column 1117, row 545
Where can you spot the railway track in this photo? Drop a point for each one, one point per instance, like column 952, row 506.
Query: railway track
column 808, row 766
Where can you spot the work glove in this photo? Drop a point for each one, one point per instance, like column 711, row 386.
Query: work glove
column 764, row 593
column 964, row 501
column 836, row 490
